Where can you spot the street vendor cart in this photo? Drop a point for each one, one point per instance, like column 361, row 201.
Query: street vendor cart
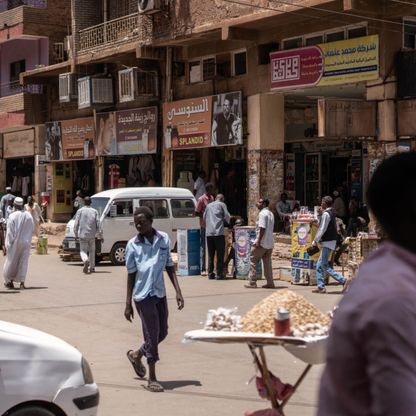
column 310, row 350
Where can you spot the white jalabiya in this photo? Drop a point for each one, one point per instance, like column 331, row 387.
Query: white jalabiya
column 18, row 242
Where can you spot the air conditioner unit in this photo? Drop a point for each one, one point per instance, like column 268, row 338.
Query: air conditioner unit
column 68, row 88
column 94, row 91
column 150, row 6
column 127, row 85
column 135, row 83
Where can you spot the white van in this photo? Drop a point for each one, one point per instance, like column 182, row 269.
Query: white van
column 42, row 375
column 173, row 209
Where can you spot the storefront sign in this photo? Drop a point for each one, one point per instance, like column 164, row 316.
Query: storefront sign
column 78, row 138
column 136, row 131
column 70, row 139
column 19, row 144
column 341, row 62
column 127, row 132
column 203, row 122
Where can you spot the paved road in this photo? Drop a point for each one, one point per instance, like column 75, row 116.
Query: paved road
column 200, row 379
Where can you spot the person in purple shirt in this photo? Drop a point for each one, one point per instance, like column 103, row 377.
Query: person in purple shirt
column 147, row 256
column 371, row 352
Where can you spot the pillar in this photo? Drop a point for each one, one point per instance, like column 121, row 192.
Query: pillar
column 266, row 132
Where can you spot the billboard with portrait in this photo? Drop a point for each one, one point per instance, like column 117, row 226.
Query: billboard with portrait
column 53, row 141
column 203, row 121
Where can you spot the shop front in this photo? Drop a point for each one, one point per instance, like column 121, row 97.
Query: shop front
column 329, row 125
column 70, row 149
column 126, row 144
column 19, row 148
column 206, row 134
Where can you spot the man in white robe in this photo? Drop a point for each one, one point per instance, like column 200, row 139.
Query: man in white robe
column 18, row 243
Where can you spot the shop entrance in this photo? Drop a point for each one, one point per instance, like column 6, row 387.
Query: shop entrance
column 19, row 176
column 338, row 173
column 225, row 168
column 83, row 177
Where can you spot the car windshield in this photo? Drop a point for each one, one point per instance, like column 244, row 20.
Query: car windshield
column 99, row 204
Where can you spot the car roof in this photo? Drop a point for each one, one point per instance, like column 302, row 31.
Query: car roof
column 145, row 192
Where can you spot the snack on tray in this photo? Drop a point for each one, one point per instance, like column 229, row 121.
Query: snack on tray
column 222, row 319
column 305, row 318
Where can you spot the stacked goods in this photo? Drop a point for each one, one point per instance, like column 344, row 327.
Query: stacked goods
column 305, row 318
column 222, row 319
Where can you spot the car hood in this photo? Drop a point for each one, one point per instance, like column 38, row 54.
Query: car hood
column 35, row 343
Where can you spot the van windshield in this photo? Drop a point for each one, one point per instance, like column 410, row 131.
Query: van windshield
column 99, row 204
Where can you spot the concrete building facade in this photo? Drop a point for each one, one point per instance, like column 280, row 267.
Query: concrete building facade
column 291, row 132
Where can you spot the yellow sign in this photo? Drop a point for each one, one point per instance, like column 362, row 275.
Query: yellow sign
column 351, row 60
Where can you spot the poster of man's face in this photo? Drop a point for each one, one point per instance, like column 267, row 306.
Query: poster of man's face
column 53, row 144
column 227, row 119
column 106, row 134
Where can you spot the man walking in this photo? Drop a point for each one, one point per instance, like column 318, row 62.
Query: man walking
column 202, row 203
column 18, row 243
column 216, row 213
column 370, row 358
column 327, row 236
column 87, row 227
column 147, row 256
column 199, row 185
column 263, row 246
column 4, row 201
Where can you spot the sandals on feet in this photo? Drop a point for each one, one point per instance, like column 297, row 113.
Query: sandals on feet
column 138, row 367
column 154, row 387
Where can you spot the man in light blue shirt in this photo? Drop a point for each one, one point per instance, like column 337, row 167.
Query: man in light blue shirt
column 147, row 256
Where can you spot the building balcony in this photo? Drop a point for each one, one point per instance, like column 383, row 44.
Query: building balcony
column 133, row 28
column 13, row 88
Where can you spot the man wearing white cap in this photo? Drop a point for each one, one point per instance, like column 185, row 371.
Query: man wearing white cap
column 4, row 201
column 18, row 242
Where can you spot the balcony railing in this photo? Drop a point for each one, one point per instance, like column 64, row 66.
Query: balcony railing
column 13, row 88
column 121, row 30
column 12, row 4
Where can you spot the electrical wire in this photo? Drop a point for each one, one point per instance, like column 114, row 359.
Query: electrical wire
column 241, row 3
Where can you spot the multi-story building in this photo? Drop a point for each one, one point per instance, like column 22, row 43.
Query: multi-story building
column 265, row 96
column 32, row 35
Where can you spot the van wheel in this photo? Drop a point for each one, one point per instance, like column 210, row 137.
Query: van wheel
column 118, row 254
column 31, row 411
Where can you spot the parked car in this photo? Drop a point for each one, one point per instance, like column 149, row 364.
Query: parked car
column 41, row 375
column 173, row 209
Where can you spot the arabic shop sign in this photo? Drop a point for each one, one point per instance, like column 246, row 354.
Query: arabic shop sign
column 136, row 131
column 70, row 139
column 127, row 132
column 19, row 144
column 334, row 63
column 203, row 122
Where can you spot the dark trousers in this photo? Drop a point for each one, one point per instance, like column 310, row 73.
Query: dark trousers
column 153, row 312
column 216, row 244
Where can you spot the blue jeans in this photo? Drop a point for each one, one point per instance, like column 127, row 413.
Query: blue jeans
column 202, row 252
column 322, row 267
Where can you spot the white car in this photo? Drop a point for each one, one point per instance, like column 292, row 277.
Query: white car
column 41, row 375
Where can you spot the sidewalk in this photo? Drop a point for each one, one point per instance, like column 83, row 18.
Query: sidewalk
column 54, row 232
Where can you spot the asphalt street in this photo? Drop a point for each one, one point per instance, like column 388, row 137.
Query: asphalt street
column 199, row 378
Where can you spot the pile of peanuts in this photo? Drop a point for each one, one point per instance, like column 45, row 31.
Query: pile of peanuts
column 303, row 315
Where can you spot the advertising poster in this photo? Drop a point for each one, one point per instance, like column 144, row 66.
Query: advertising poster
column 136, row 131
column 78, row 138
column 204, row 121
column 19, row 144
column 334, row 63
column 303, row 266
column 105, row 139
column 243, row 240
column 53, row 141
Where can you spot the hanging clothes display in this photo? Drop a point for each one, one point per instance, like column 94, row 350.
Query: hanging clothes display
column 141, row 170
column 113, row 175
